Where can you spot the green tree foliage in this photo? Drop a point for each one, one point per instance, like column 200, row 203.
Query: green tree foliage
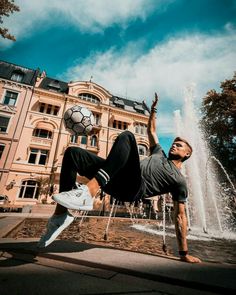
column 6, row 8
column 219, row 121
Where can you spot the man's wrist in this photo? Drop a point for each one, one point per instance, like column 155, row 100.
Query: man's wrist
column 183, row 253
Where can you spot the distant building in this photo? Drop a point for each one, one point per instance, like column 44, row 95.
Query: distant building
column 32, row 135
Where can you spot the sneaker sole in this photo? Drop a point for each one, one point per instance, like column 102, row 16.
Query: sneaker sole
column 55, row 235
column 73, row 207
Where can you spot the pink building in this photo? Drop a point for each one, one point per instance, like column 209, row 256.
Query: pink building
column 33, row 166
column 16, row 89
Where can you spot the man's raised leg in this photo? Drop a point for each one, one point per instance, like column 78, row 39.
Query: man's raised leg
column 121, row 164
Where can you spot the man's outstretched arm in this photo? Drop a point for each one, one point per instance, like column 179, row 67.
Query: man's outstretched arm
column 181, row 232
column 151, row 129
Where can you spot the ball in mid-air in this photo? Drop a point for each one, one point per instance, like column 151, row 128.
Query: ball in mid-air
column 78, row 120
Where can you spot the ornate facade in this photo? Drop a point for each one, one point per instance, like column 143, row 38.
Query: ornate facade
column 32, row 135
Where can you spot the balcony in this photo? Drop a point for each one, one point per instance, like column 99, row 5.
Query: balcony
column 93, row 149
column 97, row 127
column 41, row 141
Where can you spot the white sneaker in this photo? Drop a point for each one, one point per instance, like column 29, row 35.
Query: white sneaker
column 77, row 199
column 56, row 224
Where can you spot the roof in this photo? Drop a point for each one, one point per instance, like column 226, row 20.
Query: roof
column 7, row 71
column 130, row 105
column 54, row 85
column 29, row 77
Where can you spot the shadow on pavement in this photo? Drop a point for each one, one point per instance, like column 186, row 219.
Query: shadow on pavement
column 18, row 253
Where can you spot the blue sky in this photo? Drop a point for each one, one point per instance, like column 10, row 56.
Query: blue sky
column 130, row 47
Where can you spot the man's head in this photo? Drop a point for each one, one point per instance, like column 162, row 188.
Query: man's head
column 180, row 150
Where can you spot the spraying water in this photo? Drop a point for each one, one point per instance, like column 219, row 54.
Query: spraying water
column 209, row 212
column 205, row 203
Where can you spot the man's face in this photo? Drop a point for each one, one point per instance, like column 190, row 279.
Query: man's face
column 178, row 150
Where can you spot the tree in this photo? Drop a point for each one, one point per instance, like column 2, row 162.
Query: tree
column 219, row 120
column 6, row 8
column 46, row 188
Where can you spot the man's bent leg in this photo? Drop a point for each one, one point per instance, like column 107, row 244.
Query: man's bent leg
column 77, row 160
column 122, row 159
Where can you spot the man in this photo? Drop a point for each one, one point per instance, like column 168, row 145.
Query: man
column 123, row 176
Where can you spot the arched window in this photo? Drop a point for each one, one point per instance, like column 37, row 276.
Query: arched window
column 142, row 150
column 29, row 189
column 83, row 140
column 43, row 133
column 89, row 97
column 93, row 140
column 17, row 76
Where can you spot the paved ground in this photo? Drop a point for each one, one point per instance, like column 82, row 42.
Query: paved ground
column 75, row 268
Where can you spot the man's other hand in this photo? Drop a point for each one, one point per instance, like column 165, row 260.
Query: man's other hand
column 154, row 102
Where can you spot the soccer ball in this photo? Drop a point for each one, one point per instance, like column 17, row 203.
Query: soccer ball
column 78, row 120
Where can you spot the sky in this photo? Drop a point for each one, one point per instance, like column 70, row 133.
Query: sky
column 133, row 48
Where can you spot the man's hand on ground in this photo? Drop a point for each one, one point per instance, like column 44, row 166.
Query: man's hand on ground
column 190, row 259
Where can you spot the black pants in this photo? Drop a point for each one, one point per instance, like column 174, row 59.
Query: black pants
column 119, row 175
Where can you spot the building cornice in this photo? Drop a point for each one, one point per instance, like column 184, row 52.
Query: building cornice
column 16, row 84
column 40, row 91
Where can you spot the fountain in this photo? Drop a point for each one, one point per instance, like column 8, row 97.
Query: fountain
column 206, row 208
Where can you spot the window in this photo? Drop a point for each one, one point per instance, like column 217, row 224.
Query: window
column 139, row 108
column 119, row 125
column 4, row 121
column 97, row 119
column 93, row 140
column 10, row 98
column 54, row 85
column 29, row 189
column 89, row 97
column 142, row 150
column 119, row 103
column 42, row 133
column 55, row 110
column 48, row 109
column 141, row 128
column 17, row 76
column 38, row 156
column 2, row 146
column 84, row 140
column 74, row 138
column 42, row 107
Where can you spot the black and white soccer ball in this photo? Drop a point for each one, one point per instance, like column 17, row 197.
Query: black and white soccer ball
column 78, row 120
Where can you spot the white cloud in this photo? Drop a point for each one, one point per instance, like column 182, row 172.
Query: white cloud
column 167, row 68
column 88, row 15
